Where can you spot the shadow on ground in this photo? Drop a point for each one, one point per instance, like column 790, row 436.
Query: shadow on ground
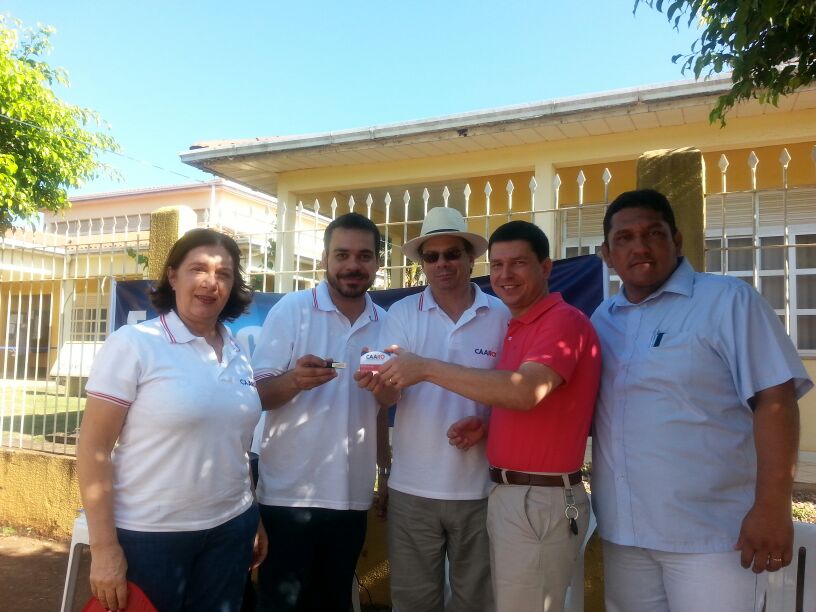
column 32, row 574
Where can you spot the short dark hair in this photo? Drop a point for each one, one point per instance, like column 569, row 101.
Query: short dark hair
column 353, row 221
column 164, row 298
column 650, row 199
column 522, row 230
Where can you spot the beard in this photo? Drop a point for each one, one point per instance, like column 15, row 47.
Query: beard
column 336, row 283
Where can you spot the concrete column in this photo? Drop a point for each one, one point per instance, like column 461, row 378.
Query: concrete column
column 680, row 175
column 167, row 225
column 544, row 206
column 285, row 241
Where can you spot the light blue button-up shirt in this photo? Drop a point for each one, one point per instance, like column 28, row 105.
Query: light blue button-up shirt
column 673, row 458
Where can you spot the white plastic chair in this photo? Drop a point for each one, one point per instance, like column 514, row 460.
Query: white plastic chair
column 79, row 539
column 355, row 593
column 793, row 589
column 575, row 592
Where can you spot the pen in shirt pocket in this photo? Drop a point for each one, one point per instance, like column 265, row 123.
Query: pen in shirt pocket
column 657, row 338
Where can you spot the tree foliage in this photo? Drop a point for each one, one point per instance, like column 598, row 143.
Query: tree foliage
column 45, row 147
column 768, row 45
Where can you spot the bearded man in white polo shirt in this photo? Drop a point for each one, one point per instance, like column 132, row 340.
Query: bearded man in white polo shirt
column 318, row 453
column 437, row 501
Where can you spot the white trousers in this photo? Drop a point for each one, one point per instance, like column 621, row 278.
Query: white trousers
column 646, row 580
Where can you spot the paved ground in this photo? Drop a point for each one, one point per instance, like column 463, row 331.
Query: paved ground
column 32, row 574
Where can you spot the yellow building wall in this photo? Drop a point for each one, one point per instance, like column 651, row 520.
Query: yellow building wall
column 774, row 129
column 807, row 412
column 39, row 491
column 132, row 204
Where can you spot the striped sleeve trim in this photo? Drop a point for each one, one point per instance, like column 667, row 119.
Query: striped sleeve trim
column 109, row 398
column 264, row 375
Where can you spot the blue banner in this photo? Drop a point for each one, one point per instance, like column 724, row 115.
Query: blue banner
column 579, row 279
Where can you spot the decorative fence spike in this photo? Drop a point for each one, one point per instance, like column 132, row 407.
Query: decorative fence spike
column 386, row 253
column 753, row 162
column 333, row 208
column 606, row 177
column 445, row 195
column 723, row 163
column 467, row 191
column 784, row 158
column 426, row 195
column 509, row 188
column 581, row 180
column 533, row 185
column 351, row 203
column 369, row 202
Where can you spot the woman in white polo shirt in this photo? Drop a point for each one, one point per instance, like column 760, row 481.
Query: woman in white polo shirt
column 162, row 453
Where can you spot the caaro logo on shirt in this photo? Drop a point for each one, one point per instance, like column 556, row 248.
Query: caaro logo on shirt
column 247, row 382
column 484, row 351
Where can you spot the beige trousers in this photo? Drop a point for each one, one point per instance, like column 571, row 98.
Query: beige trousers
column 532, row 549
column 421, row 533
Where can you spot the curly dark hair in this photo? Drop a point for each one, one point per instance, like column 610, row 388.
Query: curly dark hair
column 164, row 298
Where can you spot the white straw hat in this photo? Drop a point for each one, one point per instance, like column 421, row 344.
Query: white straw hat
column 441, row 221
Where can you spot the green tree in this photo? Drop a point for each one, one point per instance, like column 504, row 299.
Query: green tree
column 768, row 45
column 45, row 147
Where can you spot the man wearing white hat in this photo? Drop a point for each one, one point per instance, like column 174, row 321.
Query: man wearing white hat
column 438, row 495
column 542, row 394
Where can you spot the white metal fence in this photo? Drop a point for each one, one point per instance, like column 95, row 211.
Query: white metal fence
column 55, row 284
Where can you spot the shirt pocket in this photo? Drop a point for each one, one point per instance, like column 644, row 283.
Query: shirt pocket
column 667, row 366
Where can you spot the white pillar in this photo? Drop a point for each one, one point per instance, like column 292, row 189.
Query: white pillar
column 285, row 241
column 544, row 206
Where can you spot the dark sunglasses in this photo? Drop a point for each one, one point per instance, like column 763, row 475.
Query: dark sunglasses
column 433, row 256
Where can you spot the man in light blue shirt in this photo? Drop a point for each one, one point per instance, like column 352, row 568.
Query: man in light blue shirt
column 697, row 425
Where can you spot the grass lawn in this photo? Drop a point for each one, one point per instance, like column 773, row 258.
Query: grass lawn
column 804, row 506
column 38, row 410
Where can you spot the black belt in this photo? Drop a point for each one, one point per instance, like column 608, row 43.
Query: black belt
column 501, row 476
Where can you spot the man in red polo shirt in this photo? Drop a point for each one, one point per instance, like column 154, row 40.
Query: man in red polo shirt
column 542, row 395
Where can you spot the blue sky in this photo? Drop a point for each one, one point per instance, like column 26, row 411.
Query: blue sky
column 167, row 73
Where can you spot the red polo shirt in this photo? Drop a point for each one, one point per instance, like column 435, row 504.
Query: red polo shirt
column 552, row 436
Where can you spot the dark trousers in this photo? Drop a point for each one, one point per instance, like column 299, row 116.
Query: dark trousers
column 312, row 557
column 192, row 570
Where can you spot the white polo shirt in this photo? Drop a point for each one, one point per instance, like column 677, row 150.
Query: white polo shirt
column 320, row 448
column 424, row 464
column 181, row 460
